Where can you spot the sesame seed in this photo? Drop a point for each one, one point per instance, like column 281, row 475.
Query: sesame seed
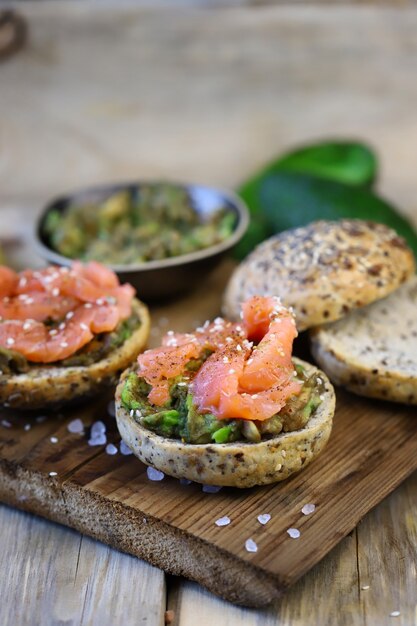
column 232, row 371
column 69, row 315
column 55, row 292
column 27, row 326
column 53, row 473
column 239, row 348
column 83, row 326
column 395, row 614
column 53, row 332
column 64, row 344
column 294, row 533
column 10, row 341
column 308, row 509
column 100, row 301
column 62, row 326
column 251, row 546
column 223, row 521
column 365, row 587
column 181, row 384
column 53, row 439
column 88, row 305
column 264, row 518
column 249, row 361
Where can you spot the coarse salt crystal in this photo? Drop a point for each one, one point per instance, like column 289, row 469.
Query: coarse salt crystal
column 53, row 473
column 53, row 439
column 27, row 427
column 308, row 509
column 294, row 533
column 251, row 546
column 111, row 449
column 97, row 428
column 75, row 426
column 264, row 518
column 154, row 474
column 222, row 521
column 98, row 440
column 6, row 423
column 124, row 449
column 211, row 488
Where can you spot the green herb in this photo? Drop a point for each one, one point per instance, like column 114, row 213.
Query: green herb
column 326, row 180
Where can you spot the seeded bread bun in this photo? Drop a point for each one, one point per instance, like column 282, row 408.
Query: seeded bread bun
column 50, row 385
column 323, row 270
column 237, row 464
column 373, row 351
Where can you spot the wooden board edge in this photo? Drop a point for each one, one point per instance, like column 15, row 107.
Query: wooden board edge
column 133, row 532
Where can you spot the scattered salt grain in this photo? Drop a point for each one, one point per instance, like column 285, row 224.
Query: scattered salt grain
column 27, row 326
column 223, row 521
column 10, row 341
column 365, row 587
column 27, row 427
column 99, row 440
column 53, row 473
column 6, row 423
column 111, row 409
column 308, row 509
column 40, row 419
column 395, row 614
column 294, row 533
column 154, row 474
column 98, row 428
column 111, row 449
column 251, row 546
column 76, row 426
column 55, row 291
column 53, row 439
column 211, row 488
column 264, row 518
column 124, row 449
column 64, row 344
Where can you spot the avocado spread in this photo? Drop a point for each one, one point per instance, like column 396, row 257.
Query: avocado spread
column 179, row 418
column 12, row 362
column 137, row 224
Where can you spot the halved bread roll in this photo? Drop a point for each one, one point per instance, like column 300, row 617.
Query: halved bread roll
column 373, row 351
column 237, row 464
column 53, row 385
column 323, row 270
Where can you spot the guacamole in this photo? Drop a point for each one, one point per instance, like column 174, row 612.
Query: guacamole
column 147, row 223
column 179, row 418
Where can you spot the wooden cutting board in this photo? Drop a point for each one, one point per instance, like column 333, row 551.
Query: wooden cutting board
column 373, row 448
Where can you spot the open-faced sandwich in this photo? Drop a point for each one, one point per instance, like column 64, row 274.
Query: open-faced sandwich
column 353, row 284
column 65, row 333
column 227, row 404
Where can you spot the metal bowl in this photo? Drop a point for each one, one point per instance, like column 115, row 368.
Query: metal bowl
column 167, row 277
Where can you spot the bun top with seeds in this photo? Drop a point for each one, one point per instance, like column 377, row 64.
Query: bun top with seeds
column 323, row 270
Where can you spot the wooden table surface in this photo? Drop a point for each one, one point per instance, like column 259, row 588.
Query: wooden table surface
column 206, row 94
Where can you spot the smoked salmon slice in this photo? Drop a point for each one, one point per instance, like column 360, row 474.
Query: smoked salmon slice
column 48, row 315
column 237, row 378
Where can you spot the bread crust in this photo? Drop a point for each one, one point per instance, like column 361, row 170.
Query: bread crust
column 373, row 351
column 237, row 464
column 323, row 270
column 50, row 386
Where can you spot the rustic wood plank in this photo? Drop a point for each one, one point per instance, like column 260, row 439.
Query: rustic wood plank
column 56, row 576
